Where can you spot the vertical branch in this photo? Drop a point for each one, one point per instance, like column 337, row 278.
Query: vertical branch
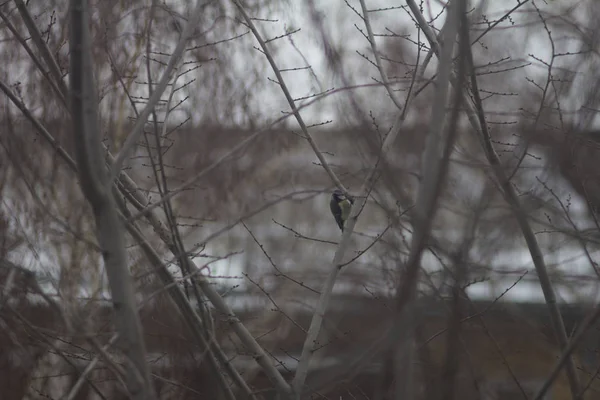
column 434, row 170
column 537, row 256
column 476, row 116
column 460, row 270
column 93, row 178
column 435, row 163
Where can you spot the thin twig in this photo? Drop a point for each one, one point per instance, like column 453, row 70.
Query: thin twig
column 58, row 351
column 89, row 368
column 146, row 212
column 37, row 62
column 40, row 43
column 378, row 62
column 213, row 296
column 138, row 128
column 289, row 98
column 185, row 307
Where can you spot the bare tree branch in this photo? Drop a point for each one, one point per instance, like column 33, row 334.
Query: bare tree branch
column 156, row 95
column 43, row 48
column 477, row 119
column 377, row 56
column 93, row 180
column 60, row 91
column 290, row 99
column 434, row 169
column 88, row 369
column 192, row 318
column 586, row 325
column 131, row 191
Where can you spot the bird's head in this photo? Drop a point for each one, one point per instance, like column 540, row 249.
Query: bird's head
column 338, row 196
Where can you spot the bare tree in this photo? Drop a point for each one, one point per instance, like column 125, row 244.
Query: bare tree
column 166, row 170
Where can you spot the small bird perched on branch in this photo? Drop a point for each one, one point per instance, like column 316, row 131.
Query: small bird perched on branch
column 340, row 206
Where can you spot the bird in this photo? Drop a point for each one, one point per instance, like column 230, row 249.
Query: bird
column 340, row 206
